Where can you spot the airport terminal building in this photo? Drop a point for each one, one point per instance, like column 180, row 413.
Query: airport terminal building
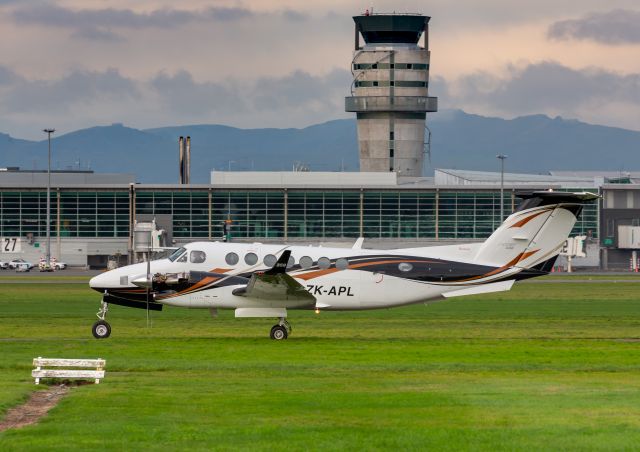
column 92, row 220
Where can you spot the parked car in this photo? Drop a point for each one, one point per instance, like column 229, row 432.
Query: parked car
column 13, row 264
column 4, row 265
column 59, row 265
column 23, row 266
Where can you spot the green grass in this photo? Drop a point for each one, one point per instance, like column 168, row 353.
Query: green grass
column 543, row 367
column 41, row 277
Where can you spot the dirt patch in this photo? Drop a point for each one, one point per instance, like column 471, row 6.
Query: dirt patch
column 33, row 409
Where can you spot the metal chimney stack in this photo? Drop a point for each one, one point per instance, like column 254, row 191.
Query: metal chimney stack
column 184, row 157
column 187, row 165
column 181, row 159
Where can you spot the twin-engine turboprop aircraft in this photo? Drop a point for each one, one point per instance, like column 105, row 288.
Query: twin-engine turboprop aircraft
column 259, row 280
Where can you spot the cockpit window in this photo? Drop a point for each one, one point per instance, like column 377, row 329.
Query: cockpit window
column 176, row 254
column 182, row 258
column 197, row 257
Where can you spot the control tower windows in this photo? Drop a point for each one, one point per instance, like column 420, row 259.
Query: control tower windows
column 396, row 83
column 408, row 66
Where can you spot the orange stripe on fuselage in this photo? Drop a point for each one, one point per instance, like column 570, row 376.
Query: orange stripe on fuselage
column 511, row 263
column 220, row 270
column 524, row 221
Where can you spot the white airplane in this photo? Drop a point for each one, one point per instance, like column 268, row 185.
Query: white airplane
column 260, row 280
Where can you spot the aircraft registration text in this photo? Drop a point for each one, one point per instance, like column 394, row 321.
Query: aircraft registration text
column 329, row 290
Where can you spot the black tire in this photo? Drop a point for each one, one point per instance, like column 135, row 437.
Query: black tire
column 101, row 329
column 278, row 333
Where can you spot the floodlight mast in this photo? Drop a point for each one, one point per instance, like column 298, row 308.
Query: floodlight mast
column 502, row 158
column 48, row 258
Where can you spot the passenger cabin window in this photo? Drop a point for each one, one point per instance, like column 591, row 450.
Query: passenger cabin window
column 231, row 259
column 270, row 260
column 306, row 262
column 251, row 259
column 324, row 262
column 197, row 257
column 342, row 264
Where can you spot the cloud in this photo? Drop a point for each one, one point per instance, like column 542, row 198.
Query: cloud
column 546, row 87
column 86, row 98
column 20, row 95
column 98, row 24
column 183, row 95
column 97, row 34
column 294, row 16
column 613, row 28
column 7, row 76
column 301, row 89
column 298, row 90
column 55, row 16
column 228, row 14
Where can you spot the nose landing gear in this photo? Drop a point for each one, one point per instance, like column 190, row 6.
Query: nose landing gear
column 281, row 330
column 101, row 329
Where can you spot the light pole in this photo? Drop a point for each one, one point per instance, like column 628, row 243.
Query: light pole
column 502, row 157
column 48, row 260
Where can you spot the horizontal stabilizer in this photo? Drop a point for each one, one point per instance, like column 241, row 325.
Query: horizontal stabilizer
column 501, row 286
column 558, row 197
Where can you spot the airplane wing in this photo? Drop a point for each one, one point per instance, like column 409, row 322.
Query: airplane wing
column 275, row 285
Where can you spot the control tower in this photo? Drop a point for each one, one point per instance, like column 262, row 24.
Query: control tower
column 390, row 91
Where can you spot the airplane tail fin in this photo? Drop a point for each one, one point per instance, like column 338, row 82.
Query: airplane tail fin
column 532, row 236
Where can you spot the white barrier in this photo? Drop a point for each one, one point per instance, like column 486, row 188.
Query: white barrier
column 70, row 368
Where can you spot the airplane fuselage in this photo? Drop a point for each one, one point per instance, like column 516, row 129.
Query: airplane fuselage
column 338, row 278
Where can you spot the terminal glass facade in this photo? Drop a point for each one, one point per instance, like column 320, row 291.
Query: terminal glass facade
column 199, row 213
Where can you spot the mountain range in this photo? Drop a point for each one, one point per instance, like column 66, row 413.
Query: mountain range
column 534, row 144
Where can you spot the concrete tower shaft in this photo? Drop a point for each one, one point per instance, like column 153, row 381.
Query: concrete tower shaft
column 390, row 91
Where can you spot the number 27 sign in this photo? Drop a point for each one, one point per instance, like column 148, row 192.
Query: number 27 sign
column 10, row 245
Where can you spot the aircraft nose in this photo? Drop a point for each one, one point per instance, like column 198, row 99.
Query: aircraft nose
column 97, row 281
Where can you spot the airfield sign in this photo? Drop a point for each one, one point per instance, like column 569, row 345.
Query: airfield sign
column 10, row 245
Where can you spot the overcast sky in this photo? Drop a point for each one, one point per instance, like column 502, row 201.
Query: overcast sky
column 71, row 64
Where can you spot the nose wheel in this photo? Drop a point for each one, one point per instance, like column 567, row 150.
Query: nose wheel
column 281, row 330
column 101, row 329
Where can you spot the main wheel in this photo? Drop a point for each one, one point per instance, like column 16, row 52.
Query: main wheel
column 101, row 329
column 278, row 332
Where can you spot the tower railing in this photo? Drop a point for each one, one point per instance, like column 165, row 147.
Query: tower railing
column 420, row 104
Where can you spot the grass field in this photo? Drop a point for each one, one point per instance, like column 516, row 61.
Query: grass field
column 544, row 367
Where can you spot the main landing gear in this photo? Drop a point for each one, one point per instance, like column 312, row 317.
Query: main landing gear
column 281, row 330
column 101, row 329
